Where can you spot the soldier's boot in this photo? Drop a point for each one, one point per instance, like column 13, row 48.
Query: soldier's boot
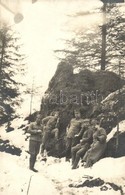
column 73, row 157
column 76, row 162
column 67, row 159
column 89, row 163
column 42, row 149
column 73, row 154
column 32, row 163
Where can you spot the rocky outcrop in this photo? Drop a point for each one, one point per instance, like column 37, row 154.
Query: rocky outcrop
column 98, row 95
column 116, row 146
column 115, row 141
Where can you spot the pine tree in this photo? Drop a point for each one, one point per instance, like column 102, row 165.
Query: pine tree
column 11, row 64
column 115, row 40
column 85, row 49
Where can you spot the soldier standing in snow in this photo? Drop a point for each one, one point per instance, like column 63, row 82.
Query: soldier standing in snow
column 35, row 130
column 97, row 147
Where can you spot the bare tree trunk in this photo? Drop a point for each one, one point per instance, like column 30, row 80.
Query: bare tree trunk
column 103, row 52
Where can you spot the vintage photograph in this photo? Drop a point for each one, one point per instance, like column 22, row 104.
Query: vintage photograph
column 62, row 97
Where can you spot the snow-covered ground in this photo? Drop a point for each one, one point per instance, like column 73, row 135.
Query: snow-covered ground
column 55, row 175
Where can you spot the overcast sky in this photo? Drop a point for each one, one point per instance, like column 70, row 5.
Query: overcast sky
column 45, row 23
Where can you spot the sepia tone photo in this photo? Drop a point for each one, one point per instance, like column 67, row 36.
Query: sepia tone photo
column 62, row 97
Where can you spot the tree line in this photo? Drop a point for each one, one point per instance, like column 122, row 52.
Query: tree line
column 11, row 65
column 98, row 47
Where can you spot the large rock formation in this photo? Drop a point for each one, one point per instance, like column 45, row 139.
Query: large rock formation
column 96, row 94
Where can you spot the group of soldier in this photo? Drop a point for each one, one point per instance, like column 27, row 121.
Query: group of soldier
column 85, row 139
column 40, row 131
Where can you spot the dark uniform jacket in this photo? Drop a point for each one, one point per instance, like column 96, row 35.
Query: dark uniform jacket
column 33, row 130
column 87, row 137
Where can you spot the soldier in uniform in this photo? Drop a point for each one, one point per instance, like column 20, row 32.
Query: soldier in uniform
column 74, row 128
column 50, row 128
column 97, row 147
column 35, row 131
column 79, row 150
